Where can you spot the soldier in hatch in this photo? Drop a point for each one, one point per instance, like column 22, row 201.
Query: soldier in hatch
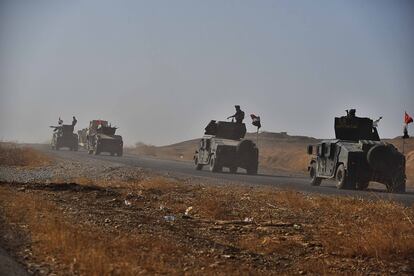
column 239, row 115
column 74, row 121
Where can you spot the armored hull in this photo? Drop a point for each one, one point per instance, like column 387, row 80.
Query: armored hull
column 223, row 147
column 354, row 161
column 63, row 137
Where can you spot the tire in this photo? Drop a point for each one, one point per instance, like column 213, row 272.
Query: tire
column 213, row 164
column 198, row 167
column 252, row 169
column 342, row 178
column 362, row 185
column 315, row 181
column 233, row 169
column 397, row 183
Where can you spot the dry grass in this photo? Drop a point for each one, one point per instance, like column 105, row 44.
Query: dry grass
column 13, row 155
column 344, row 228
column 86, row 249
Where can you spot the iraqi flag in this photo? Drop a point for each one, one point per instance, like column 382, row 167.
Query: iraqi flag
column 256, row 121
column 407, row 118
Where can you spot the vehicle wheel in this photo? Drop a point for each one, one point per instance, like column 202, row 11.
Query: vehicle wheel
column 213, row 164
column 315, row 181
column 362, row 185
column 233, row 169
column 252, row 169
column 342, row 178
column 198, row 167
column 397, row 184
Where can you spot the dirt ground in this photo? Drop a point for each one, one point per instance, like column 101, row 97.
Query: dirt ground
column 126, row 221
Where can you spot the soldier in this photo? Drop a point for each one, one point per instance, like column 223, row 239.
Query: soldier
column 74, row 121
column 351, row 113
column 239, row 115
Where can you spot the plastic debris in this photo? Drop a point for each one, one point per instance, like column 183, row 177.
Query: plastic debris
column 248, row 220
column 169, row 218
column 188, row 210
column 127, row 202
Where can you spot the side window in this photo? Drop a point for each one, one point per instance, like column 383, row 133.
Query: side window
column 332, row 151
column 327, row 150
column 320, row 150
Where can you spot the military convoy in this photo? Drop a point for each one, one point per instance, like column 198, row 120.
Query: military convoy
column 63, row 137
column 100, row 137
column 356, row 157
column 223, row 146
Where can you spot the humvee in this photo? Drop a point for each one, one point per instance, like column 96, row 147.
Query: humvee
column 101, row 137
column 63, row 137
column 223, row 146
column 356, row 157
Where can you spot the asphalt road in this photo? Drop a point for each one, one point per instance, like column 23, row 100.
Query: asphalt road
column 185, row 168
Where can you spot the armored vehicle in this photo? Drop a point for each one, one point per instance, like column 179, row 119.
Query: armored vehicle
column 223, row 146
column 63, row 137
column 100, row 137
column 356, row 157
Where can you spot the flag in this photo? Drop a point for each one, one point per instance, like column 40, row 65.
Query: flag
column 407, row 118
column 256, row 121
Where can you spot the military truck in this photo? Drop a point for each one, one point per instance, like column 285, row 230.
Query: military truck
column 356, row 157
column 63, row 137
column 223, row 146
column 101, row 137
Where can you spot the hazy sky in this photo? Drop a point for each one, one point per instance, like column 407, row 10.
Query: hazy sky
column 160, row 70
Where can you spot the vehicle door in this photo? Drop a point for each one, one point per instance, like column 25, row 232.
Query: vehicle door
column 321, row 159
column 202, row 152
column 330, row 155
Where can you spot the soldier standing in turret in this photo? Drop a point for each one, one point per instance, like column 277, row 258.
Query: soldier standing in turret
column 74, row 121
column 239, row 115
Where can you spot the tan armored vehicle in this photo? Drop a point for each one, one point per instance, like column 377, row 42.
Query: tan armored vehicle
column 223, row 146
column 356, row 157
column 101, row 137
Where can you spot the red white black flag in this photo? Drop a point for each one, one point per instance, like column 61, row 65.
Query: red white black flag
column 407, row 118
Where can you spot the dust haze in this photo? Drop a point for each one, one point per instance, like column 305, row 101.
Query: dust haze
column 160, row 71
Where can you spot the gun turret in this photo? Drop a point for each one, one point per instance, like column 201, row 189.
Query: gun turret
column 353, row 128
column 226, row 130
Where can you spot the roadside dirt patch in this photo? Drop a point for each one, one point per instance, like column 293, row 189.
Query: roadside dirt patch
column 160, row 225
